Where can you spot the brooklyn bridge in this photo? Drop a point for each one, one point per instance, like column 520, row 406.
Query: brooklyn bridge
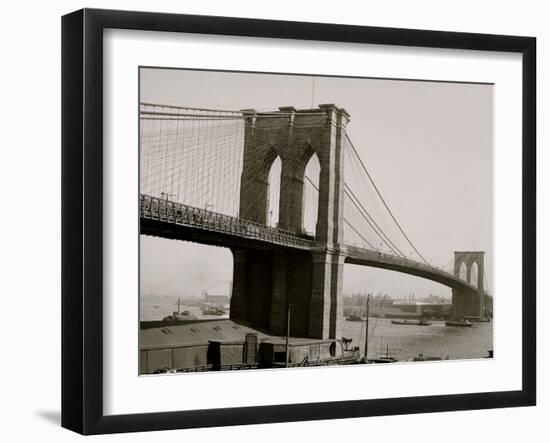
column 288, row 193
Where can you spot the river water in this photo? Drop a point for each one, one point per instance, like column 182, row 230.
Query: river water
column 402, row 341
column 407, row 341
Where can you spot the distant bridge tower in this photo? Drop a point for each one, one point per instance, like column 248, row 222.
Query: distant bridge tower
column 469, row 266
column 265, row 282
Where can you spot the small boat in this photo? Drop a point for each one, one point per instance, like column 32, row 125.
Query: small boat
column 422, row 357
column 354, row 318
column 421, row 322
column 385, row 358
column 461, row 324
column 478, row 319
column 213, row 311
column 179, row 315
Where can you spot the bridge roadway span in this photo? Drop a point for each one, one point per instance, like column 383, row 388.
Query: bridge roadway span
column 164, row 218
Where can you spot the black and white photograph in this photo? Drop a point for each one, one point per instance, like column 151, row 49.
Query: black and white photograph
column 275, row 222
column 296, row 221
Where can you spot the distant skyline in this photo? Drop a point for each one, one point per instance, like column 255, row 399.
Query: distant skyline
column 223, row 290
column 428, row 145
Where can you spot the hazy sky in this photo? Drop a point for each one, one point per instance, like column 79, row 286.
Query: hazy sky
column 428, row 146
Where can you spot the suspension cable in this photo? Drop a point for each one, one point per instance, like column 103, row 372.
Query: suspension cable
column 361, row 208
column 384, row 202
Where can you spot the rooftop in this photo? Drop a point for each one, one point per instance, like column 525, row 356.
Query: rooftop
column 203, row 331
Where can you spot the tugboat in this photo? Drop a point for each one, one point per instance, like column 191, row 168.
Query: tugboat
column 179, row 315
column 213, row 311
column 421, row 322
column 458, row 323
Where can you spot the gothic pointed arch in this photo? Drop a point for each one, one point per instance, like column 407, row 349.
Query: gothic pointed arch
column 474, row 274
column 310, row 201
column 463, row 272
column 274, row 192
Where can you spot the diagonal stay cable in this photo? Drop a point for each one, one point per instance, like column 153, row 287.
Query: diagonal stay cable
column 346, row 221
column 384, row 202
column 355, row 201
column 360, row 235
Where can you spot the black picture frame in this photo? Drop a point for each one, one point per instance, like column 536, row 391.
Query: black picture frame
column 82, row 218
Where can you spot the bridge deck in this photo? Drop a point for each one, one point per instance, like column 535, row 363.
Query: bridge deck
column 169, row 212
column 154, row 208
column 368, row 257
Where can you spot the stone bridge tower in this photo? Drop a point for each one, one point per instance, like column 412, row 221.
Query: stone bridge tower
column 265, row 282
column 470, row 266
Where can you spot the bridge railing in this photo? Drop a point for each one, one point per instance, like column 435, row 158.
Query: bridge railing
column 161, row 209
